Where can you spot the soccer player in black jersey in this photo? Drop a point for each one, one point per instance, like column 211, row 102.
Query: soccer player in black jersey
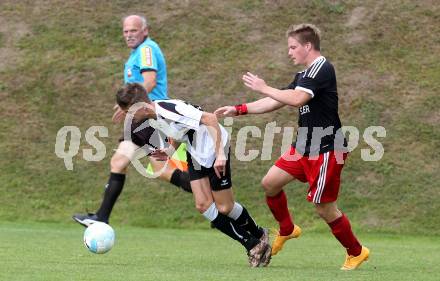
column 208, row 163
column 318, row 154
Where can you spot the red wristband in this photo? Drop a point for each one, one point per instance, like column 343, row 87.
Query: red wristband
column 241, row 109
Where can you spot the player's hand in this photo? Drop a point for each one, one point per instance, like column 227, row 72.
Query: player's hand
column 119, row 114
column 220, row 166
column 159, row 155
column 226, row 111
column 254, row 82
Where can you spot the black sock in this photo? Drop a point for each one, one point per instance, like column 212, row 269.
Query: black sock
column 248, row 223
column 111, row 194
column 181, row 179
column 229, row 227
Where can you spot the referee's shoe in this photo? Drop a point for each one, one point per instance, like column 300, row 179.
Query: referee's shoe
column 87, row 219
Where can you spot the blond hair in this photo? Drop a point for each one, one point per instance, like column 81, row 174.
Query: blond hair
column 304, row 33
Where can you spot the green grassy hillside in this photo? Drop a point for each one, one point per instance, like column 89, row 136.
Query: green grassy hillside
column 61, row 62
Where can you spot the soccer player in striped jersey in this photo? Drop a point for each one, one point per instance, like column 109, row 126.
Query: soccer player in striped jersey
column 317, row 156
column 208, row 164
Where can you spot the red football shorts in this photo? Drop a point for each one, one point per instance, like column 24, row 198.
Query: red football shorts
column 323, row 173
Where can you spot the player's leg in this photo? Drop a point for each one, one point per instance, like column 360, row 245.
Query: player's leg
column 224, row 200
column 226, row 204
column 118, row 168
column 171, row 174
column 202, row 195
column 285, row 170
column 259, row 254
column 323, row 193
column 341, row 229
column 273, row 183
column 204, row 203
column 201, row 184
column 328, row 211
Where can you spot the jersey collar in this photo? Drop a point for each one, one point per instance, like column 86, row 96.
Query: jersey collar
column 315, row 60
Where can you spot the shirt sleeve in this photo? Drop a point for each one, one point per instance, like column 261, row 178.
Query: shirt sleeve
column 192, row 115
column 308, row 85
column 180, row 112
column 147, row 58
column 291, row 86
column 314, row 78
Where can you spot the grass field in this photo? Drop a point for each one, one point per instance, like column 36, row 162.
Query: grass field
column 55, row 252
column 61, row 63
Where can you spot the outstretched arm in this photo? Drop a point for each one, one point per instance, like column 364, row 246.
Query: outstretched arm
column 263, row 105
column 257, row 107
column 274, row 99
column 291, row 97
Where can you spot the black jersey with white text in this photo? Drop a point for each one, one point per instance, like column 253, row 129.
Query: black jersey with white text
column 318, row 120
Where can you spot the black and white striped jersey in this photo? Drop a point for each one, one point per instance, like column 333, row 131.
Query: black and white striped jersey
column 318, row 119
column 181, row 121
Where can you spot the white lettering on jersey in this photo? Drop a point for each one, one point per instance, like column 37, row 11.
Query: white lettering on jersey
column 304, row 109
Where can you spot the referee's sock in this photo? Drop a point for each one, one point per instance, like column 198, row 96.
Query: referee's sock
column 230, row 227
column 242, row 217
column 111, row 194
column 181, row 179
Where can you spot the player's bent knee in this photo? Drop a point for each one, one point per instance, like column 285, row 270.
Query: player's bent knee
column 268, row 186
column 202, row 206
column 265, row 183
column 118, row 164
column 326, row 214
column 224, row 208
column 127, row 149
column 321, row 212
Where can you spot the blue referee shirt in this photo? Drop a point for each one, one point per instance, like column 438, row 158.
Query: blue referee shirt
column 146, row 57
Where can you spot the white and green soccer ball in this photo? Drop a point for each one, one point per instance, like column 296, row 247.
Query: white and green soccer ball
column 99, row 238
